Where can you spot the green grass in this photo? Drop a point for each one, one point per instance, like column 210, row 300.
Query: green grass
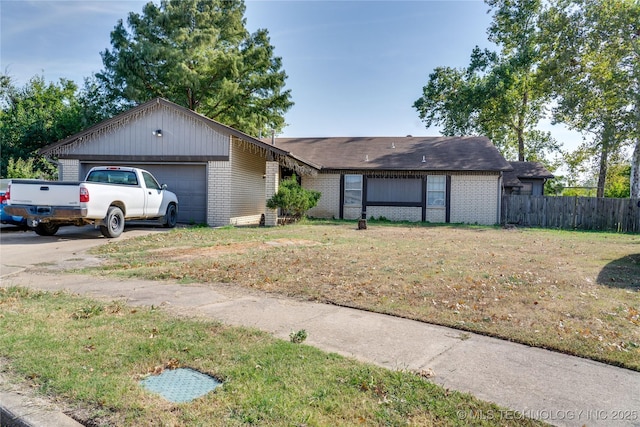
column 91, row 356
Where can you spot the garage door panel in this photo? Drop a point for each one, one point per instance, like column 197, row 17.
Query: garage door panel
column 189, row 182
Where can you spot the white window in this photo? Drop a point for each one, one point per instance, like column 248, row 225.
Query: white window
column 436, row 189
column 353, row 190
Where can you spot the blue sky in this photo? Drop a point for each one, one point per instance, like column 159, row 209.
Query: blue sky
column 355, row 67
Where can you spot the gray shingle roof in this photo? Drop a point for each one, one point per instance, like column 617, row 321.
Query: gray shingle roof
column 398, row 153
column 525, row 170
column 530, row 170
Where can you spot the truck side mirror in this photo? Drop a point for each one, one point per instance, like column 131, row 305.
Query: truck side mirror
column 164, row 186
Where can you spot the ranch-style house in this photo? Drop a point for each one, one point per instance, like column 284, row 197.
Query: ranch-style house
column 223, row 176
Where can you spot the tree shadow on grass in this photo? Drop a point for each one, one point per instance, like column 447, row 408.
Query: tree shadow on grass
column 622, row 273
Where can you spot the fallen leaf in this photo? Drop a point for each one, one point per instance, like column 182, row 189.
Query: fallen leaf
column 427, row 373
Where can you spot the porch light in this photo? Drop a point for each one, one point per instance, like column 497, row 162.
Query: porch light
column 424, row 159
column 158, row 133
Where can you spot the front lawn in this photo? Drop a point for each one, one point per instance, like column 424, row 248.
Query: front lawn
column 574, row 292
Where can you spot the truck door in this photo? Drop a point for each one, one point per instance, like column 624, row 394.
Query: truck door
column 153, row 196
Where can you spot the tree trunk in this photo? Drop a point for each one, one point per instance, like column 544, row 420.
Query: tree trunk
column 602, row 174
column 520, row 145
column 191, row 100
column 607, row 139
column 521, row 119
column 635, row 157
column 635, row 170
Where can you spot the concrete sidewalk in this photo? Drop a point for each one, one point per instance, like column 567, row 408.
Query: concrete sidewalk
column 552, row 387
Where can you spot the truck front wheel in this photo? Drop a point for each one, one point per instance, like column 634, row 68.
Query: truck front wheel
column 46, row 229
column 114, row 223
column 171, row 217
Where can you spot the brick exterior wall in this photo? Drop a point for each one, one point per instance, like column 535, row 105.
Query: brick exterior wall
column 69, row 170
column 272, row 179
column 396, row 213
column 329, row 186
column 352, row 212
column 475, row 199
column 219, row 195
column 436, row 215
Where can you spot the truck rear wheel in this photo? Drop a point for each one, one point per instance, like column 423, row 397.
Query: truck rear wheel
column 46, row 229
column 114, row 223
column 171, row 217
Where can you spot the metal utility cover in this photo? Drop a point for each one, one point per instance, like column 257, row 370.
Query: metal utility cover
column 180, row 385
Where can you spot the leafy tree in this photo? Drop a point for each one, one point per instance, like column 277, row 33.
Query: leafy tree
column 584, row 166
column 96, row 104
column 27, row 169
column 34, row 116
column 498, row 95
column 293, row 199
column 554, row 186
column 198, row 53
column 593, row 68
column 577, row 163
column 618, row 180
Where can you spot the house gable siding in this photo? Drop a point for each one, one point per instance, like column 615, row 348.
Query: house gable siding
column 182, row 137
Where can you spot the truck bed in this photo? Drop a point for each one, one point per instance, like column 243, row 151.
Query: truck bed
column 45, row 193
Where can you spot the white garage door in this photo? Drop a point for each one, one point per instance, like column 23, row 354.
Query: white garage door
column 189, row 182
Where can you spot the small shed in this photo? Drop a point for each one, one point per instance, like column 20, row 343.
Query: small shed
column 526, row 178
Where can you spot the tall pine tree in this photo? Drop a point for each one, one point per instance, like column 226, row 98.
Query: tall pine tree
column 198, row 54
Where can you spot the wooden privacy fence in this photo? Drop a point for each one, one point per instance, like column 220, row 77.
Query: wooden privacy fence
column 584, row 213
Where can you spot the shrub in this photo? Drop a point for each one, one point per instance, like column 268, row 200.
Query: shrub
column 292, row 199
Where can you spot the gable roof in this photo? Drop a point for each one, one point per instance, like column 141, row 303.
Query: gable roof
column 398, row 153
column 343, row 153
column 135, row 112
column 525, row 170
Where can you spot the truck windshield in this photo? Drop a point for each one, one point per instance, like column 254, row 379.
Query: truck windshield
column 113, row 177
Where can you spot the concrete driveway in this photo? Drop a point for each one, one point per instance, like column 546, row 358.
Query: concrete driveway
column 21, row 249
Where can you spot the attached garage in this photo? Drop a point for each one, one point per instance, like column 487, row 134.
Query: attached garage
column 220, row 175
column 188, row 181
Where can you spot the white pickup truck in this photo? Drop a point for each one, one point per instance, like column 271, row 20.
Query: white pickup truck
column 108, row 196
